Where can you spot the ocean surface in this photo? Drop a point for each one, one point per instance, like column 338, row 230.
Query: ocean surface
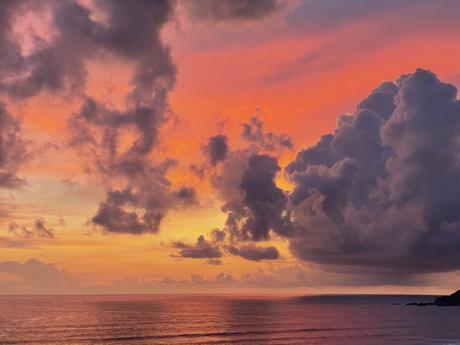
column 172, row 319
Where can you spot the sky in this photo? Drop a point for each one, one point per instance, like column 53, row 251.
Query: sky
column 229, row 146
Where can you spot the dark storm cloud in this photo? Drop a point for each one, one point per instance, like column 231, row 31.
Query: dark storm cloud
column 216, row 149
column 255, row 253
column 263, row 200
column 381, row 190
column 231, row 10
column 39, row 229
column 201, row 249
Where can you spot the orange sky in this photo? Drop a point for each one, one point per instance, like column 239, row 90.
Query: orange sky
column 296, row 79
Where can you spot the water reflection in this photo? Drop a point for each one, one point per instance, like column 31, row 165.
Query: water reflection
column 146, row 320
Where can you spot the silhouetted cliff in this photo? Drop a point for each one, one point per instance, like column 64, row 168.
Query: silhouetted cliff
column 451, row 300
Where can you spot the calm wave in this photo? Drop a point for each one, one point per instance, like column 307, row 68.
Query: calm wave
column 160, row 319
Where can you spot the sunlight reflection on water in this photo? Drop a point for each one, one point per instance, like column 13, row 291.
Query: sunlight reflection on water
column 163, row 319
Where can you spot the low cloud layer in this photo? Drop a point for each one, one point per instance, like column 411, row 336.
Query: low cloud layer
column 39, row 277
column 255, row 253
column 36, row 277
column 202, row 249
column 219, row 244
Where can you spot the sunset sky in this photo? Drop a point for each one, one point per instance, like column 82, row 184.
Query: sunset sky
column 229, row 146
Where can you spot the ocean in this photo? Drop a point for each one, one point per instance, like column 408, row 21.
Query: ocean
column 180, row 319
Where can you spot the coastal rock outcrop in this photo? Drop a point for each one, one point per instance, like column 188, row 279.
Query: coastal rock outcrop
column 451, row 300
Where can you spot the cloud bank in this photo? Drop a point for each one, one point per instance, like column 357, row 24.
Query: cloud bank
column 381, row 191
column 39, row 277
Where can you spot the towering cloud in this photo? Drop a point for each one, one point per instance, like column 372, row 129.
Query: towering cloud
column 381, row 190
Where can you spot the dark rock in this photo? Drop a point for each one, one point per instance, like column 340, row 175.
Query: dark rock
column 420, row 304
column 451, row 300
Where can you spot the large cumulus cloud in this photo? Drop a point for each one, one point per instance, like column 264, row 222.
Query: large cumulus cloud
column 379, row 194
column 382, row 189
